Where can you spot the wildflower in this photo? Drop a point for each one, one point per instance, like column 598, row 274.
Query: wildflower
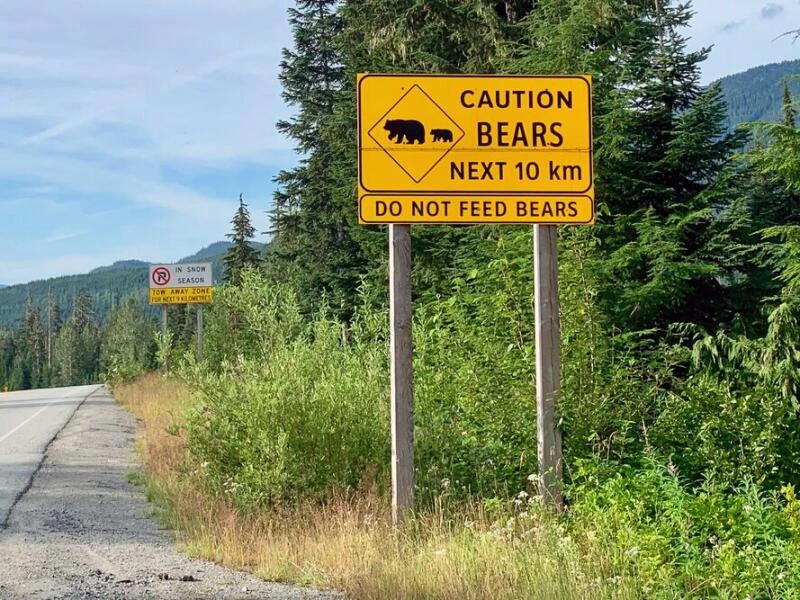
column 523, row 495
column 634, row 551
column 747, row 508
column 781, row 576
column 445, row 483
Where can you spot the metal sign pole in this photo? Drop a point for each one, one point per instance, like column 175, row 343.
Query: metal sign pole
column 199, row 332
column 164, row 330
column 548, row 363
column 401, row 371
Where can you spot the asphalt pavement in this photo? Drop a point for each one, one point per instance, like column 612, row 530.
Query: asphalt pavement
column 73, row 526
column 28, row 423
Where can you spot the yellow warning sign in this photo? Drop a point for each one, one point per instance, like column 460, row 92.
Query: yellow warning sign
column 458, row 210
column 187, row 295
column 501, row 135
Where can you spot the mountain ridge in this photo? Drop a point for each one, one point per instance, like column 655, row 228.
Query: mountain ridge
column 109, row 285
column 757, row 93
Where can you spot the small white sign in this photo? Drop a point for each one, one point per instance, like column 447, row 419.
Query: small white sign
column 184, row 275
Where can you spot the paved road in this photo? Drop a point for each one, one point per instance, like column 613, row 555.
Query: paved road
column 28, row 423
column 76, row 528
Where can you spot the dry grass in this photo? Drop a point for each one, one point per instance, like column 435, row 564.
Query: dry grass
column 349, row 544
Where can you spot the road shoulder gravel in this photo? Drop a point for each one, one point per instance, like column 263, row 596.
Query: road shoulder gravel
column 81, row 531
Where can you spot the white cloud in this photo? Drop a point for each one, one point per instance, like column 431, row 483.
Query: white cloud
column 61, row 237
column 121, row 118
column 145, row 83
column 740, row 34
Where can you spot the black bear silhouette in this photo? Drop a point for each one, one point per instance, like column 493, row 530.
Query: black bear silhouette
column 442, row 135
column 402, row 129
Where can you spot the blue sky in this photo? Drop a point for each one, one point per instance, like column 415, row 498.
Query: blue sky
column 129, row 128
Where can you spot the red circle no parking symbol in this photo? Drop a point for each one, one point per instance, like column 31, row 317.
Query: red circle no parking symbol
column 161, row 276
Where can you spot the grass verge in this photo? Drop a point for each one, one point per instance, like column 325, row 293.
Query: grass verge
column 460, row 553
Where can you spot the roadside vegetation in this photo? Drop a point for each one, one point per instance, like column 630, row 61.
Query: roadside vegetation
column 347, row 541
column 680, row 341
column 273, row 456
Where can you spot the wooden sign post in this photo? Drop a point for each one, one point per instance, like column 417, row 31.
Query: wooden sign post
column 401, row 371
column 199, row 333
column 164, row 332
column 470, row 149
column 548, row 362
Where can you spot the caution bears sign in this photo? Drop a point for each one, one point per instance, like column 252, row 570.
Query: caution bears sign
column 430, row 146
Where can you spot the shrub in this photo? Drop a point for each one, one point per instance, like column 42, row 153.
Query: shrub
column 680, row 543
column 307, row 419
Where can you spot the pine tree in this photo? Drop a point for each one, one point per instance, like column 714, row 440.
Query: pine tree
column 464, row 36
column 54, row 324
column 313, row 245
column 765, row 201
column 789, row 111
column 241, row 254
column 33, row 347
column 77, row 346
column 128, row 341
column 660, row 153
column 7, row 351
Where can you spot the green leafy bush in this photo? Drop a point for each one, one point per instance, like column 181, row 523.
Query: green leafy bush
column 307, row 419
column 250, row 320
column 679, row 543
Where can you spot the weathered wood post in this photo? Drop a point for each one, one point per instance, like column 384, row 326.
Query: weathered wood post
column 402, row 396
column 548, row 363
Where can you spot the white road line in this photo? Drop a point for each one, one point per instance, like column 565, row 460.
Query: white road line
column 28, row 420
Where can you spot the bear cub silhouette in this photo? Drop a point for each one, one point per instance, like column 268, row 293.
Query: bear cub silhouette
column 409, row 130
column 442, row 135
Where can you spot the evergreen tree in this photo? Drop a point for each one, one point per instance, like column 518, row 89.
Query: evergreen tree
column 7, row 352
column 33, row 347
column 128, row 342
column 666, row 187
column 54, row 324
column 765, row 201
column 789, row 111
column 241, row 254
column 77, row 347
column 312, row 224
column 410, row 36
column 660, row 152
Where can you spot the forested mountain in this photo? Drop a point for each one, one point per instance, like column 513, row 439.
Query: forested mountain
column 121, row 264
column 755, row 95
column 108, row 286
column 213, row 251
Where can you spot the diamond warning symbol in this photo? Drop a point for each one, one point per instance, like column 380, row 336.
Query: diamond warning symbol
column 416, row 133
